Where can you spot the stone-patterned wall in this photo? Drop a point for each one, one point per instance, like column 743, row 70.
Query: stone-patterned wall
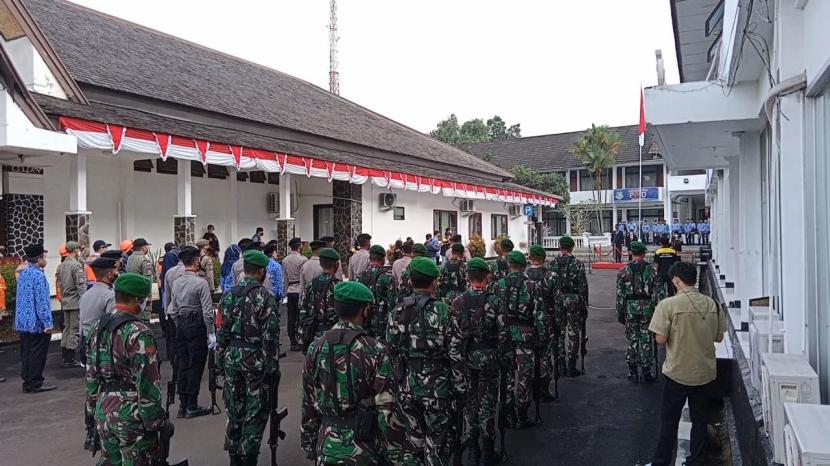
column 347, row 200
column 285, row 231
column 184, row 230
column 24, row 221
column 77, row 227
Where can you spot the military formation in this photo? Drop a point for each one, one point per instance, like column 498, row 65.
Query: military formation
column 413, row 363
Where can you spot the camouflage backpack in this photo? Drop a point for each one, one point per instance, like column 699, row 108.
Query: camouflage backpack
column 241, row 303
column 323, row 288
column 412, row 310
column 370, row 279
column 516, row 309
column 568, row 278
column 638, row 287
column 473, row 320
column 535, row 274
column 111, row 323
column 453, row 268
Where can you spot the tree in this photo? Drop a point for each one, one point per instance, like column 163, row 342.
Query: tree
column 579, row 216
column 548, row 182
column 497, row 129
column 474, row 131
column 448, row 131
column 598, row 149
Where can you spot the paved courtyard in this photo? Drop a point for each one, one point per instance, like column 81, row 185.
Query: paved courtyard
column 601, row 419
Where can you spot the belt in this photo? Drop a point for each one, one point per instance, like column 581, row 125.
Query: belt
column 238, row 343
column 189, row 316
column 294, row 283
column 638, row 297
column 118, row 387
column 347, row 421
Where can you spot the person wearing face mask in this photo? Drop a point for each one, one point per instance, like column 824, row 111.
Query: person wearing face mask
column 340, row 419
column 141, row 263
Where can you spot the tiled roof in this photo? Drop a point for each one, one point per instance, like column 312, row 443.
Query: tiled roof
column 552, row 152
column 113, row 54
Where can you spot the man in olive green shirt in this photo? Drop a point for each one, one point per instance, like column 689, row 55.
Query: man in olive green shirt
column 689, row 324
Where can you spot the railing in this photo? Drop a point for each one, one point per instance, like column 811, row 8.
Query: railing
column 580, row 242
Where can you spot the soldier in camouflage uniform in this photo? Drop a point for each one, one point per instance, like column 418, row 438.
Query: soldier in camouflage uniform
column 425, row 341
column 572, row 312
column 486, row 345
column 523, row 311
column 379, row 280
column 122, row 379
column 452, row 280
column 545, row 279
column 405, row 285
column 317, row 310
column 247, row 352
column 638, row 291
column 347, row 399
column 500, row 267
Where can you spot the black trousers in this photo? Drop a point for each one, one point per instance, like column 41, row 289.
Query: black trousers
column 191, row 353
column 293, row 312
column 617, row 252
column 674, row 397
column 33, row 350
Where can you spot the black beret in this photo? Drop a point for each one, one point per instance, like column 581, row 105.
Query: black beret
column 103, row 263
column 112, row 254
column 34, row 250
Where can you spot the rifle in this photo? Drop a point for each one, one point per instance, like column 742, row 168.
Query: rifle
column 213, row 382
column 275, row 418
column 164, row 436
column 556, row 374
column 308, row 335
column 503, row 418
column 93, row 440
column 458, row 431
column 583, row 341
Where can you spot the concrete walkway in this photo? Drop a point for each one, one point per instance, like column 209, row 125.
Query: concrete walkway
column 602, row 419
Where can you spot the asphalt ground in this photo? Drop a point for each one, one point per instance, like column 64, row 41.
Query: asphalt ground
column 601, row 418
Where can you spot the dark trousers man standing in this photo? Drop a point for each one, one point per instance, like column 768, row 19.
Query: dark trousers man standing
column 33, row 350
column 293, row 311
column 674, row 398
column 191, row 356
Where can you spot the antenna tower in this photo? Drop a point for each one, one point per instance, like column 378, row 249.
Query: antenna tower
column 334, row 75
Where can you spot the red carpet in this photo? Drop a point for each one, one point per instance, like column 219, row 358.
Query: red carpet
column 608, row 265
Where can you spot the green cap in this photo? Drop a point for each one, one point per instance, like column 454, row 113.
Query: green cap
column 424, row 266
column 507, row 244
column 637, row 247
column 419, row 249
column 252, row 256
column 72, row 246
column 477, row 263
column 133, row 284
column 377, row 250
column 537, row 251
column 566, row 242
column 329, row 253
column 353, row 292
column 457, row 247
column 516, row 257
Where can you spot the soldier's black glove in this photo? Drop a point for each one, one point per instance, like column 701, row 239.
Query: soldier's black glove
column 621, row 318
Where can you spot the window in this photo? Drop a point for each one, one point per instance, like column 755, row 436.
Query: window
column 241, row 176
column 586, row 179
column 169, row 166
column 474, row 225
column 443, row 219
column 554, row 220
column 652, row 176
column 498, row 226
column 145, row 165
column 323, row 220
column 197, row 169
column 620, row 178
column 273, row 178
column 217, row 171
column 257, row 177
column 398, row 213
column 574, row 185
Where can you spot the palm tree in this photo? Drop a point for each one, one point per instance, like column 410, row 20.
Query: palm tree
column 598, row 149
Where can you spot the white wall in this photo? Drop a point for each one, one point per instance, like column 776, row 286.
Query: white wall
column 816, row 38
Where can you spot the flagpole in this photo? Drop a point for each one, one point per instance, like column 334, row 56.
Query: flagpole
column 640, row 200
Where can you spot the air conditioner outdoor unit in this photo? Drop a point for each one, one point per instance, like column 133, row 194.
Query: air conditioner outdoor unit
column 467, row 205
column 805, row 435
column 387, row 201
column 515, row 210
column 786, row 378
column 272, row 203
column 758, row 345
column 761, row 313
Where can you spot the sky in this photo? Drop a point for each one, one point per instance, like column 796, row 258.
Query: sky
column 550, row 65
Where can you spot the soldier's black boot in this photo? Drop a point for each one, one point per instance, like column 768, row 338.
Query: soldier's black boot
column 475, row 453
column 247, row 461
column 234, row 459
column 632, row 373
column 524, row 421
column 488, row 452
column 572, row 371
column 90, row 438
column 183, row 401
column 648, row 377
column 193, row 408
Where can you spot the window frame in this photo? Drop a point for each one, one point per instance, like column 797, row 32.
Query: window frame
column 495, row 220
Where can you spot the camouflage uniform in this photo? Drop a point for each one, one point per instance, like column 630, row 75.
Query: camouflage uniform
column 486, row 345
column 206, row 270
column 122, row 389
column 346, row 377
column 638, row 291
column 247, row 351
column 499, row 269
column 317, row 310
column 405, row 286
column 546, row 280
column 571, row 313
column 380, row 281
column 524, row 316
column 452, row 281
column 424, row 338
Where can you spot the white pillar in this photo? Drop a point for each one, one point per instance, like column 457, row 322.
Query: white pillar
column 734, row 220
column 750, row 283
column 285, row 197
column 233, row 222
column 613, row 203
column 666, row 196
column 184, row 204
column 77, row 183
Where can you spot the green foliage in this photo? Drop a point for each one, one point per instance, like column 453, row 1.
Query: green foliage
column 473, row 131
column 548, row 182
column 306, row 251
column 579, row 215
column 7, row 272
column 477, row 247
column 598, row 149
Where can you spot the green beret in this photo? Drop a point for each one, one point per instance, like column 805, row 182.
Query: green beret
column 72, row 245
column 424, row 266
column 477, row 263
column 566, row 242
column 419, row 249
column 133, row 284
column 457, row 247
column 255, row 257
column 329, row 253
column 377, row 250
column 507, row 244
column 537, row 250
column 353, row 292
column 638, row 247
column 516, row 257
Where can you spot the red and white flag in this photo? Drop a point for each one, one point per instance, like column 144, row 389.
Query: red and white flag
column 642, row 119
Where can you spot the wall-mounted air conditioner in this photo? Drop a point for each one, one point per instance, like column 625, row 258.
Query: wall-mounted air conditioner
column 387, row 201
column 806, row 441
column 786, row 378
column 758, row 345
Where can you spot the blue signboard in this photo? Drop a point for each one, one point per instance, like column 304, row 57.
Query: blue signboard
column 633, row 194
column 530, row 210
